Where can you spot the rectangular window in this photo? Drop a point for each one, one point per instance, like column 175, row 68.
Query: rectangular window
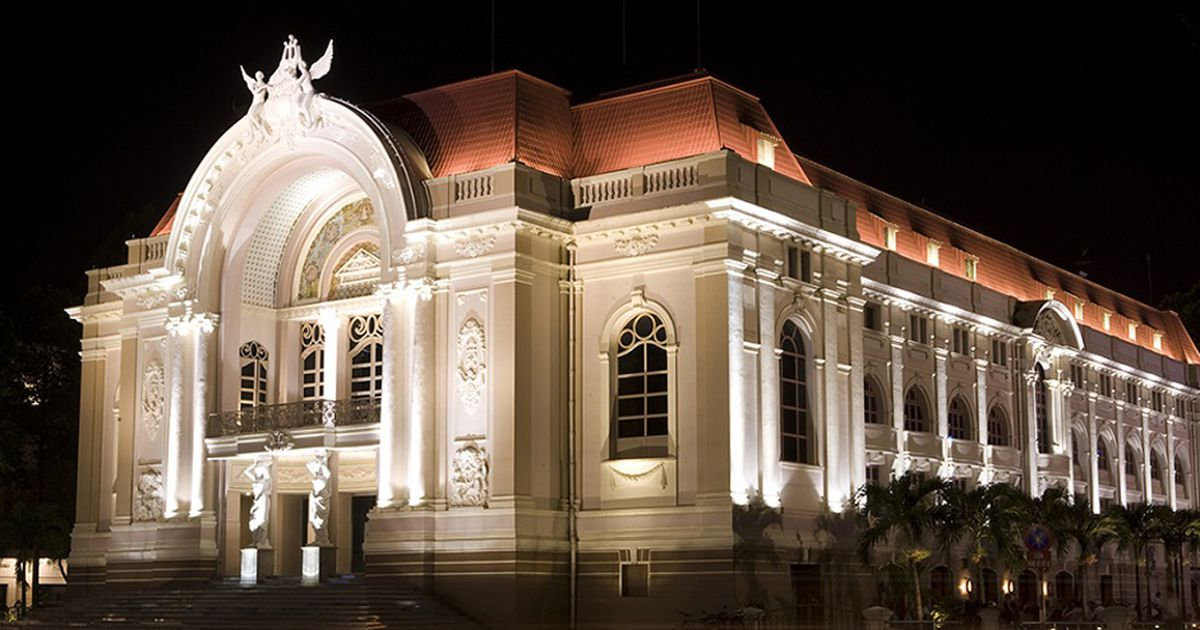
column 1156, row 400
column 1106, row 389
column 918, row 328
column 806, row 266
column 932, row 253
column 1079, row 311
column 971, row 268
column 872, row 317
column 1077, row 375
column 791, row 262
column 1107, row 318
column 962, row 340
column 1158, row 341
column 873, row 475
column 766, row 151
column 1131, row 392
column 1180, row 408
column 1133, row 331
column 999, row 352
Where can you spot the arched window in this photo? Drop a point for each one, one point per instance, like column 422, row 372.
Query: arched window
column 366, row 356
column 872, row 402
column 1039, row 410
column 1155, row 466
column 997, row 426
column 1075, row 454
column 960, row 419
column 1101, row 455
column 1180, row 475
column 641, row 409
column 796, row 425
column 312, row 361
column 1131, row 457
column 253, row 389
column 916, row 410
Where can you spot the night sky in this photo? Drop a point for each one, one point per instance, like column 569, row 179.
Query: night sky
column 1057, row 130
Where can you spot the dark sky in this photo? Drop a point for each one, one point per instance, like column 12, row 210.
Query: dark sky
column 1056, row 129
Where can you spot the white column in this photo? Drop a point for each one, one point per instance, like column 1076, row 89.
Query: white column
column 390, row 472
column 738, row 482
column 837, row 481
column 174, row 496
column 1031, row 446
column 942, row 402
column 421, row 405
column 1148, row 494
column 981, row 397
column 1122, row 485
column 898, row 405
column 1093, row 448
column 201, row 328
column 1170, row 480
column 334, row 384
column 858, row 432
column 768, row 368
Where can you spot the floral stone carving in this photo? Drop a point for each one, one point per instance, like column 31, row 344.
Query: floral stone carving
column 148, row 499
column 472, row 363
column 153, row 391
column 469, row 476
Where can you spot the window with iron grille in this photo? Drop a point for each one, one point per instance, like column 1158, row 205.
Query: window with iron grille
column 312, row 361
column 253, row 388
column 366, row 356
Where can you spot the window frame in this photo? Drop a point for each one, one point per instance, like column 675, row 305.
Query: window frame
column 312, row 344
column 608, row 385
column 646, row 444
column 870, row 384
column 806, row 427
column 959, row 403
column 255, row 356
column 927, row 420
column 998, row 410
column 360, row 337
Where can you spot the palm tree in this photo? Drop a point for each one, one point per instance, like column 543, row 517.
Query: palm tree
column 1176, row 528
column 1090, row 532
column 1136, row 526
column 986, row 517
column 901, row 513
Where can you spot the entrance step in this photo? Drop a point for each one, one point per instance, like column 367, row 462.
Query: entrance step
column 346, row 603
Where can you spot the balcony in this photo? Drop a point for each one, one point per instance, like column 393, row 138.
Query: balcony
column 330, row 414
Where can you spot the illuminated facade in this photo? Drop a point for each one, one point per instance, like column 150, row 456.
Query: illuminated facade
column 533, row 355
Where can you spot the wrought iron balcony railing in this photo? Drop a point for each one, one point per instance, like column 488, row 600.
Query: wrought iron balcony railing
column 294, row 415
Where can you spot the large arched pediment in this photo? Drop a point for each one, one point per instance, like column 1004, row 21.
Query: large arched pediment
column 289, row 124
column 1051, row 321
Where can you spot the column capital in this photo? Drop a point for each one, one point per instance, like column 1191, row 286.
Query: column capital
column 189, row 321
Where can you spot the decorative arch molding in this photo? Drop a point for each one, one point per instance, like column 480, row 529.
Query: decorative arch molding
column 799, row 316
column 635, row 303
column 219, row 197
column 1051, row 320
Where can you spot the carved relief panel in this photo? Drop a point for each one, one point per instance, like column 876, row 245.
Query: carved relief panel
column 470, row 366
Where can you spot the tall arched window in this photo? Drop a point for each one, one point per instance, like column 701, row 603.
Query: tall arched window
column 1180, row 476
column 312, row 361
column 366, row 356
column 960, row 419
column 253, row 389
column 641, row 401
column 1041, row 416
column 916, row 410
column 1155, row 466
column 796, row 425
column 872, row 402
column 1101, row 455
column 997, row 426
column 1131, row 457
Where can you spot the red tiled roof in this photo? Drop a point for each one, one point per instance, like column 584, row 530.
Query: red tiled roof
column 488, row 121
column 168, row 218
column 677, row 120
column 1002, row 267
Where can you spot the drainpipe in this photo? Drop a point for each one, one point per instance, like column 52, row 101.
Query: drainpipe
column 572, row 533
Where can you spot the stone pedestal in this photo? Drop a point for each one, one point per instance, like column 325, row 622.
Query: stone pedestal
column 320, row 564
column 989, row 618
column 877, row 618
column 257, row 565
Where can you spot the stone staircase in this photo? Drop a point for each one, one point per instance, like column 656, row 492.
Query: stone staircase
column 349, row 603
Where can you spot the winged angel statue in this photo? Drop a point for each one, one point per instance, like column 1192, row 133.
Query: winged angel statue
column 288, row 95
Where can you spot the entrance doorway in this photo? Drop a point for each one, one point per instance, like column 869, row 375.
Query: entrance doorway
column 359, row 507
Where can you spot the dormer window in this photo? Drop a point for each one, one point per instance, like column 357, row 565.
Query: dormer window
column 1133, row 331
column 766, row 150
column 1158, row 341
column 932, row 253
column 1107, row 321
column 1078, row 311
column 1049, row 294
column 889, row 236
column 971, row 268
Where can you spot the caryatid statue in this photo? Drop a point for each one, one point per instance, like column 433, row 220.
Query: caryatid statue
column 259, row 474
column 318, row 500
